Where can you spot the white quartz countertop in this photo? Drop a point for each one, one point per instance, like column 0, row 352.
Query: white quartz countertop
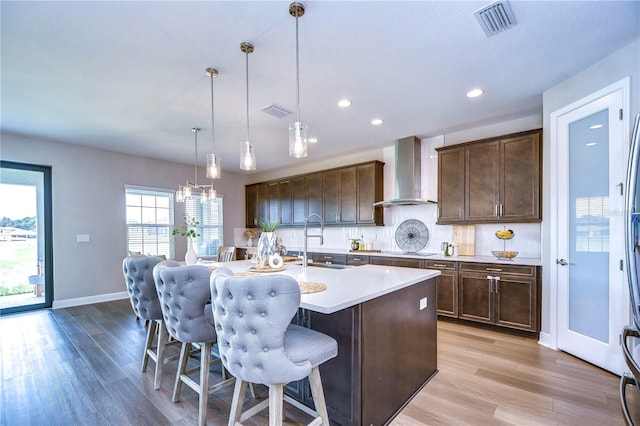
column 526, row 261
column 346, row 287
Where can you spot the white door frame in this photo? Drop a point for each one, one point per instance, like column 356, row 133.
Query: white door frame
column 623, row 85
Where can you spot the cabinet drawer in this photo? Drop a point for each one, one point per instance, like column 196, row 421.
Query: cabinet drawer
column 338, row 259
column 396, row 261
column 441, row 264
column 525, row 271
column 356, row 259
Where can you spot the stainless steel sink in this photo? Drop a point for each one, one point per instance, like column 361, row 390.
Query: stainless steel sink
column 327, row 265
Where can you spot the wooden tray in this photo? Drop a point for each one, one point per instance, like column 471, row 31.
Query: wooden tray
column 365, row 251
column 255, row 269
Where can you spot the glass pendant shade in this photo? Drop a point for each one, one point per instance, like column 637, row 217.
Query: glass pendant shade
column 203, row 197
column 180, row 195
column 247, row 157
column 298, row 140
column 212, row 194
column 187, row 192
column 213, row 167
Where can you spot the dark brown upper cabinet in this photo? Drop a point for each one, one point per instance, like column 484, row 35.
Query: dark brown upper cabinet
column 342, row 196
column 491, row 181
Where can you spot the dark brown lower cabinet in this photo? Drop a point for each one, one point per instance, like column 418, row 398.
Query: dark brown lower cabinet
column 447, row 283
column 497, row 294
column 386, row 353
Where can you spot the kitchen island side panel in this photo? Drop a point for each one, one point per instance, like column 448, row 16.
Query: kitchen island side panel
column 399, row 349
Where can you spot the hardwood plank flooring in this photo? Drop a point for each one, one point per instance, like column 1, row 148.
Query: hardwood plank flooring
column 81, row 366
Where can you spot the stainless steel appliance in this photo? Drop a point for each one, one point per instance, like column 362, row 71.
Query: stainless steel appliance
column 632, row 249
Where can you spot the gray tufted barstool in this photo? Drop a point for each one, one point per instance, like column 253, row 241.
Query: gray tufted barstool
column 138, row 274
column 259, row 345
column 184, row 295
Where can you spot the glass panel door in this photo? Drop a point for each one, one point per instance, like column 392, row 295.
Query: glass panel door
column 25, row 237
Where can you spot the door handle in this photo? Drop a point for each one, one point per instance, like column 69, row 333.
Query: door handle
column 562, row 262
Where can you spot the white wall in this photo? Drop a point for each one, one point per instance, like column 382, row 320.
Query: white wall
column 88, row 198
column 620, row 64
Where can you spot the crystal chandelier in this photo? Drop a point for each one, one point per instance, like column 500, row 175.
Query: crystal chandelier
column 187, row 191
column 298, row 130
column 247, row 152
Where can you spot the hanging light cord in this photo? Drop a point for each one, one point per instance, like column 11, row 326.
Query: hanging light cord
column 247, row 81
column 297, row 71
column 213, row 136
column 195, row 159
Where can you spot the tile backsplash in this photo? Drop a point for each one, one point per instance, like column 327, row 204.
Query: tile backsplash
column 527, row 240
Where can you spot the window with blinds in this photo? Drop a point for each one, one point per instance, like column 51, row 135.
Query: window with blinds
column 149, row 222
column 210, row 227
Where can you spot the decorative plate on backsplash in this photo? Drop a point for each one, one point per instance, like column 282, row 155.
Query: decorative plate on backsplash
column 412, row 235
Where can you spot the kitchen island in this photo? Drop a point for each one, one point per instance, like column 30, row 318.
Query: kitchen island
column 384, row 320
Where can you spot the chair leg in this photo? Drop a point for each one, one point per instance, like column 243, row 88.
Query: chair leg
column 185, row 349
column 318, row 395
column 205, row 357
column 239, row 391
column 151, row 331
column 275, row 404
column 163, row 337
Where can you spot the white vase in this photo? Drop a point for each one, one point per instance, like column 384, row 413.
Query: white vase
column 266, row 247
column 191, row 257
column 249, row 242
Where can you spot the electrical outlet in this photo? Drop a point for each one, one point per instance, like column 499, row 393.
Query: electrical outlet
column 82, row 238
column 423, row 303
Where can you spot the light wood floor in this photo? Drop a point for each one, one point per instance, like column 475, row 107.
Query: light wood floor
column 80, row 366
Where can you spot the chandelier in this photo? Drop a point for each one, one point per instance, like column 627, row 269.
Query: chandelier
column 213, row 161
column 298, row 130
column 187, row 191
column 247, row 152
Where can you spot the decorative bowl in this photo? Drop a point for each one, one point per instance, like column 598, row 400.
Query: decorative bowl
column 505, row 234
column 504, row 254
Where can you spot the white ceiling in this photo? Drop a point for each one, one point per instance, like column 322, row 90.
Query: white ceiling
column 130, row 76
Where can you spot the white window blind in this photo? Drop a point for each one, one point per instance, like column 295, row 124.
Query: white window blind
column 149, row 222
column 210, row 227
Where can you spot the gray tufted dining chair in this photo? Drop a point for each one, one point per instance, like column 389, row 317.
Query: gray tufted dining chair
column 184, row 295
column 138, row 274
column 259, row 345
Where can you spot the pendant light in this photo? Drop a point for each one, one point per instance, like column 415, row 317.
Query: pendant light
column 186, row 192
column 247, row 152
column 297, row 130
column 213, row 161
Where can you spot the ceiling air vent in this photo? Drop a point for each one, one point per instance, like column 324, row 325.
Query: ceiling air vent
column 495, row 17
column 276, row 111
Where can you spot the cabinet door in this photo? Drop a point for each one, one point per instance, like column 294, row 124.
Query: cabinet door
column 396, row 261
column 330, row 197
column 451, row 185
column 263, row 202
column 447, row 284
column 520, row 178
column 299, row 200
column 274, row 202
column 251, row 203
column 482, row 181
column 370, row 188
column 357, row 260
column 347, row 195
column 475, row 297
column 516, row 303
column 314, row 192
column 286, row 213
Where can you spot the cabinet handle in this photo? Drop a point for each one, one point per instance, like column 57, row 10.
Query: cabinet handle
column 328, row 257
column 495, row 210
column 355, row 259
column 490, row 278
column 496, row 280
column 437, row 265
column 494, row 269
column 501, row 210
column 337, row 217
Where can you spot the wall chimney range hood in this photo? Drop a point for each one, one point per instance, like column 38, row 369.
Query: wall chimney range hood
column 407, row 182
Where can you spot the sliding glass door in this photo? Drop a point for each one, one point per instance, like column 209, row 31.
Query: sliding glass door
column 26, row 253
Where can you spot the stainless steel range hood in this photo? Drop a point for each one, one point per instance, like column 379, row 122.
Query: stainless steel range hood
column 407, row 174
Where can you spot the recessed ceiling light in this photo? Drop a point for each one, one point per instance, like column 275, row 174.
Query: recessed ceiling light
column 313, row 140
column 595, row 126
column 475, row 93
column 377, row 121
column 343, row 103
column 591, row 144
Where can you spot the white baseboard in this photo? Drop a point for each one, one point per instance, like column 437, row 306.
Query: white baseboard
column 545, row 340
column 67, row 303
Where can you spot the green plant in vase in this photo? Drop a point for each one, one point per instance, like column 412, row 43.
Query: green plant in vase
column 267, row 243
column 188, row 229
column 268, row 226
